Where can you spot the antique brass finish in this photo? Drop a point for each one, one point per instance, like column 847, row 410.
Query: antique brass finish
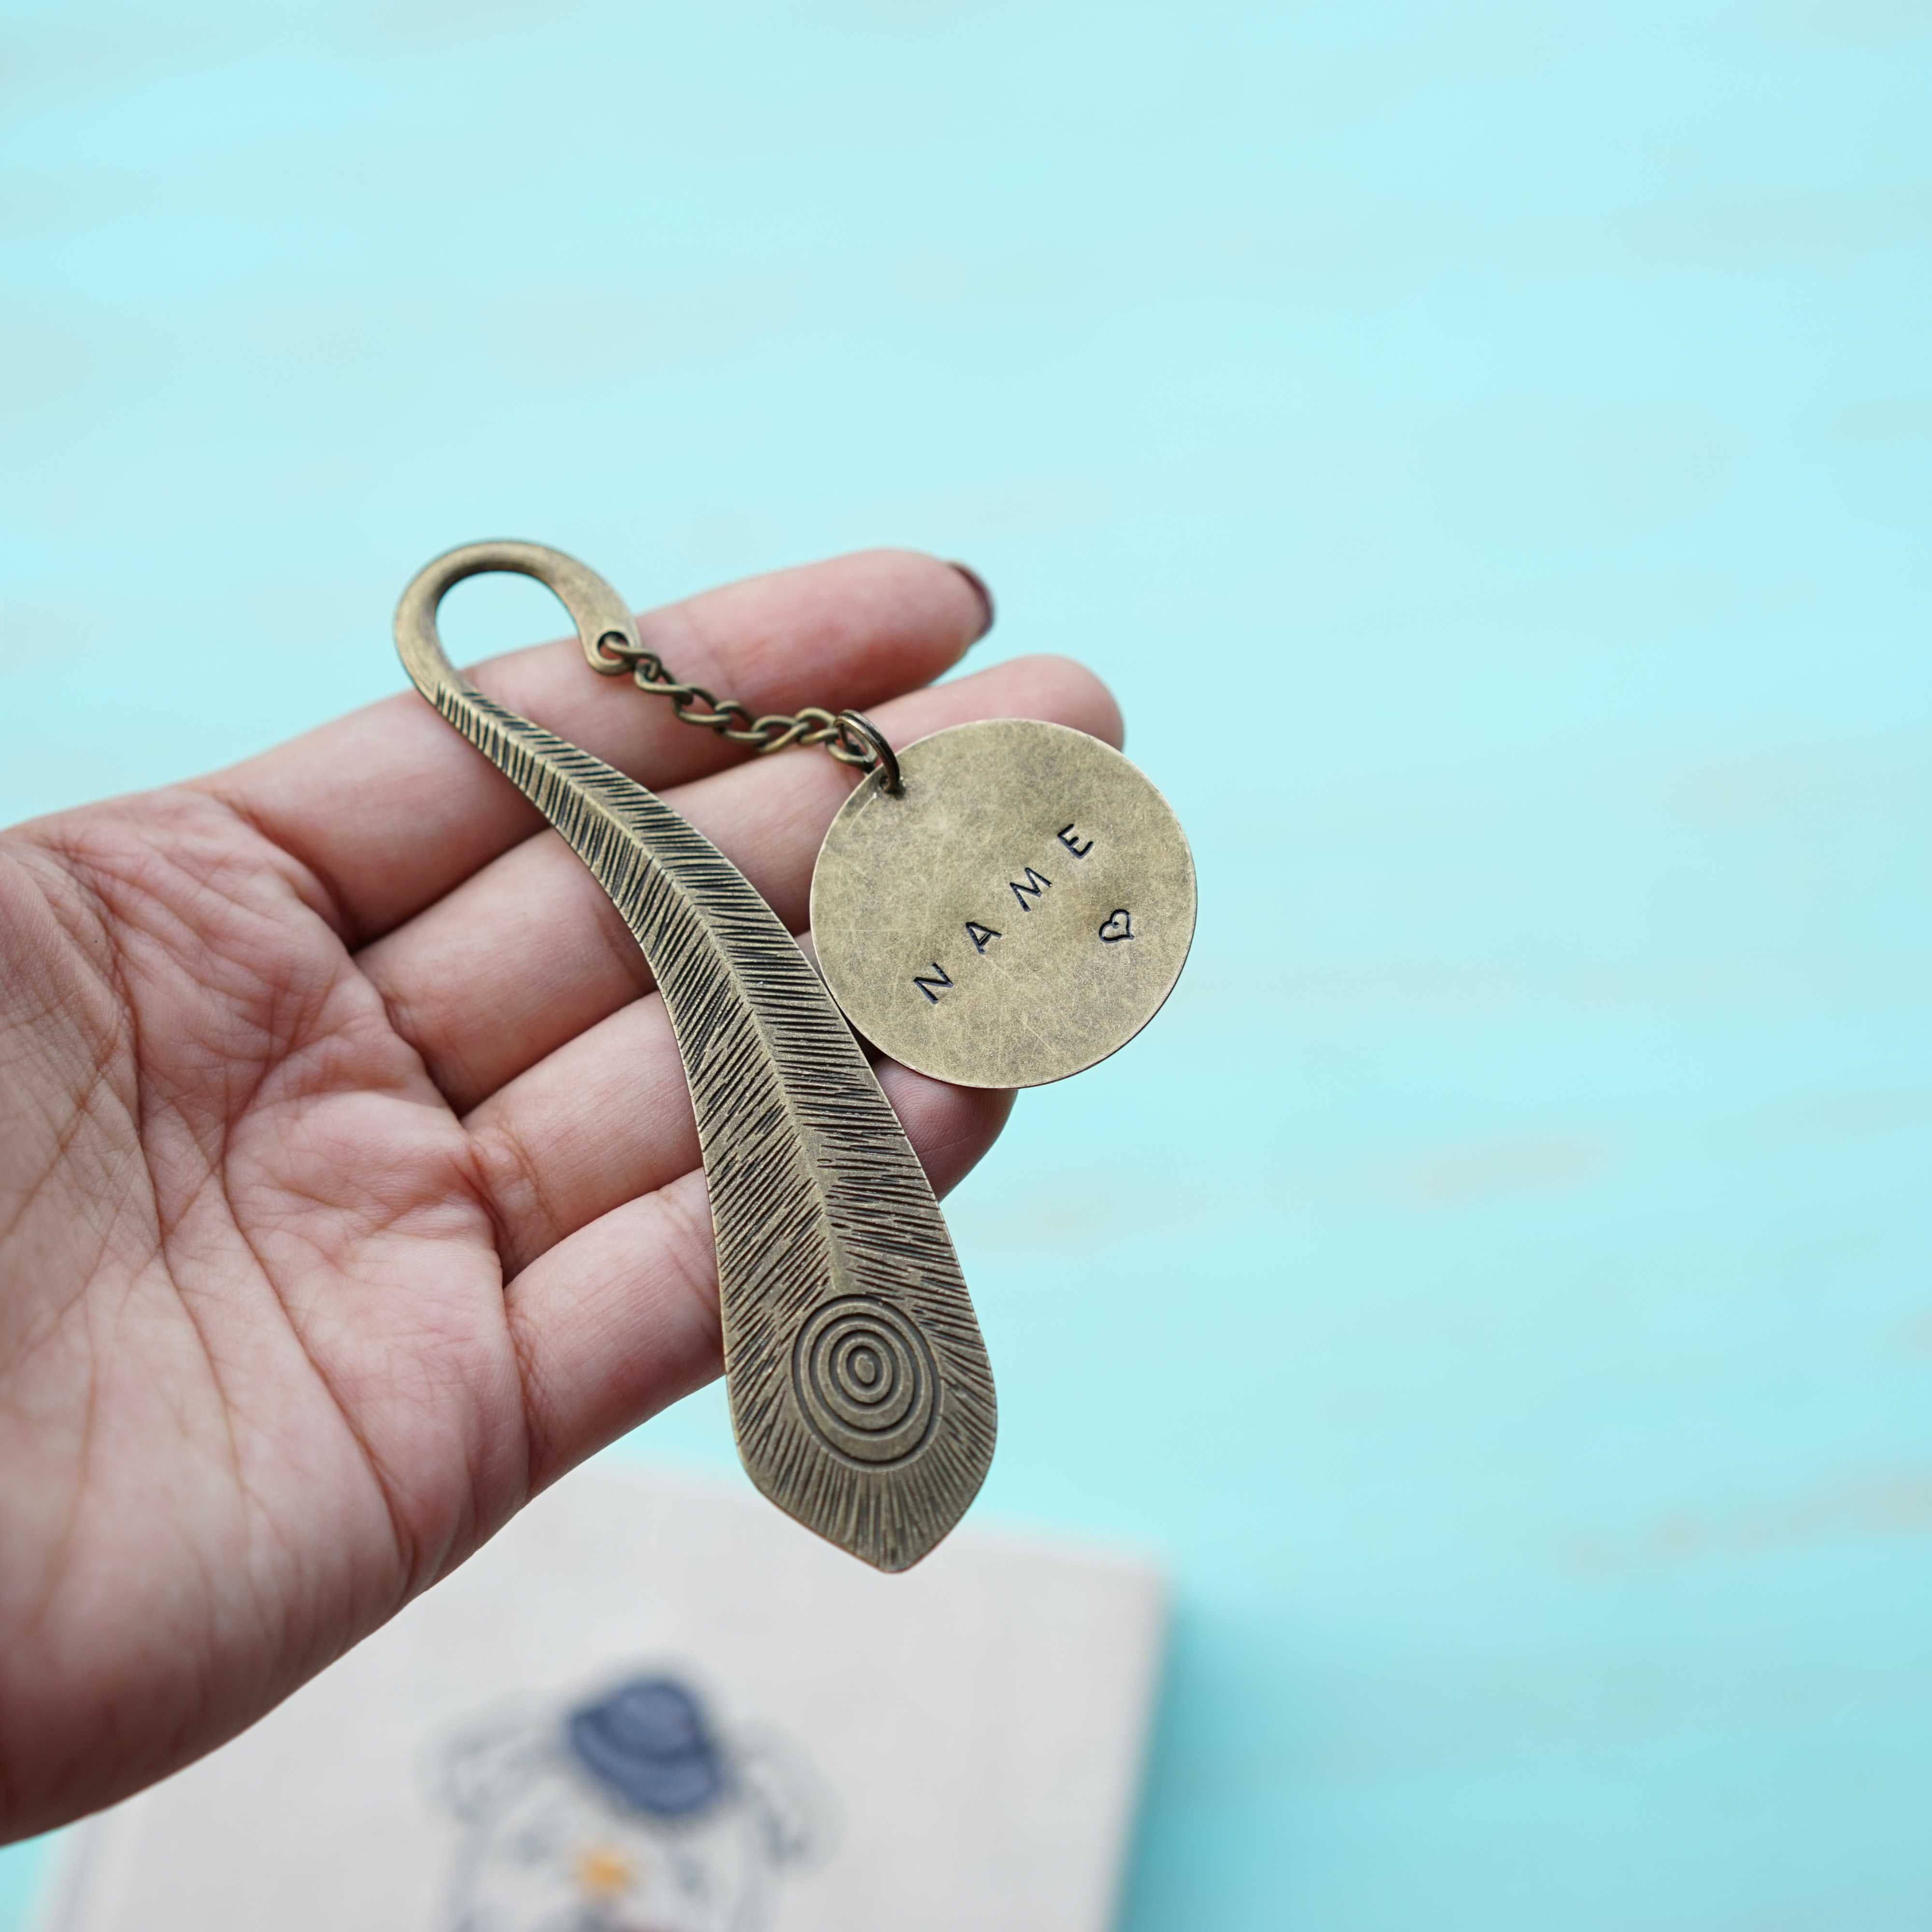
column 851, row 736
column 860, row 1392
column 1019, row 913
column 885, row 759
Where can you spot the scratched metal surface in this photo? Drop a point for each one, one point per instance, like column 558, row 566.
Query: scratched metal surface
column 1486, row 447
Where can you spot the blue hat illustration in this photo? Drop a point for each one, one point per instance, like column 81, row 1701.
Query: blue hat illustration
column 647, row 1743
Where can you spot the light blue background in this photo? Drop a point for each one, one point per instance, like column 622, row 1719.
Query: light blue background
column 1486, row 446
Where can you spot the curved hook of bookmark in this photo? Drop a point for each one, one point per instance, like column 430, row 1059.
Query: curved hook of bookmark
column 860, row 1387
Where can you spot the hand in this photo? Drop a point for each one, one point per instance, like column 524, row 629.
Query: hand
column 349, row 1191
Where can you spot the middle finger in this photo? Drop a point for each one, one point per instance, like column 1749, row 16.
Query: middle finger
column 526, row 954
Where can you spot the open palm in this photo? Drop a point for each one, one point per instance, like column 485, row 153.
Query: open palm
column 348, row 1189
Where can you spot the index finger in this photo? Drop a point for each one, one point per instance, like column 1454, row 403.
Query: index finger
column 391, row 809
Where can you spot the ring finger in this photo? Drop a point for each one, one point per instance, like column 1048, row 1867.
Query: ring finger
column 524, row 956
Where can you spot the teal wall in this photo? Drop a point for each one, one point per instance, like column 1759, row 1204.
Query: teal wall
column 1486, row 447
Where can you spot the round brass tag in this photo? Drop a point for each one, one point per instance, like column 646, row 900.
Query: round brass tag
column 1016, row 913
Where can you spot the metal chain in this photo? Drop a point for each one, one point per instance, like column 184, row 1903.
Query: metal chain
column 850, row 738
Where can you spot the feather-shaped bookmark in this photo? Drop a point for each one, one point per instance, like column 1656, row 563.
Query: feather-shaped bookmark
column 860, row 1391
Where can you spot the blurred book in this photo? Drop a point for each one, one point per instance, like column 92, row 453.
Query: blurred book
column 654, row 1704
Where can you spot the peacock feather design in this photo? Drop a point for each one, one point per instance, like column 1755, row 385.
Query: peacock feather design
column 860, row 1393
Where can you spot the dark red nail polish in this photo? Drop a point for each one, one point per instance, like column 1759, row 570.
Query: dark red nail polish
column 985, row 596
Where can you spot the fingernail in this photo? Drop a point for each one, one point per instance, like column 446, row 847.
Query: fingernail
column 985, row 596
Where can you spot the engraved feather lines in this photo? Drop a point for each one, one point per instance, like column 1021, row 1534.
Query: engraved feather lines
column 860, row 1391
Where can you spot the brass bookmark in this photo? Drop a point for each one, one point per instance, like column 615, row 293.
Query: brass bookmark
column 860, row 1392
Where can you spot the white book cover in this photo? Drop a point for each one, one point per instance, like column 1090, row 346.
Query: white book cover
column 653, row 1704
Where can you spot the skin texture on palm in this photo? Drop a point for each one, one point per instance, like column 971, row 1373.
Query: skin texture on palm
column 349, row 1192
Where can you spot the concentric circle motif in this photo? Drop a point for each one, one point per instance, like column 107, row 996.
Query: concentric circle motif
column 865, row 1381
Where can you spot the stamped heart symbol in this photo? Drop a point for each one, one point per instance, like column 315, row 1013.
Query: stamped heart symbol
column 1118, row 925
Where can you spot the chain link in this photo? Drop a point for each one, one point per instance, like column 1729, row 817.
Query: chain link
column 773, row 731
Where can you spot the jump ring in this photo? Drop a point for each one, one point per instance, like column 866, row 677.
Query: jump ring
column 857, row 724
column 615, row 653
